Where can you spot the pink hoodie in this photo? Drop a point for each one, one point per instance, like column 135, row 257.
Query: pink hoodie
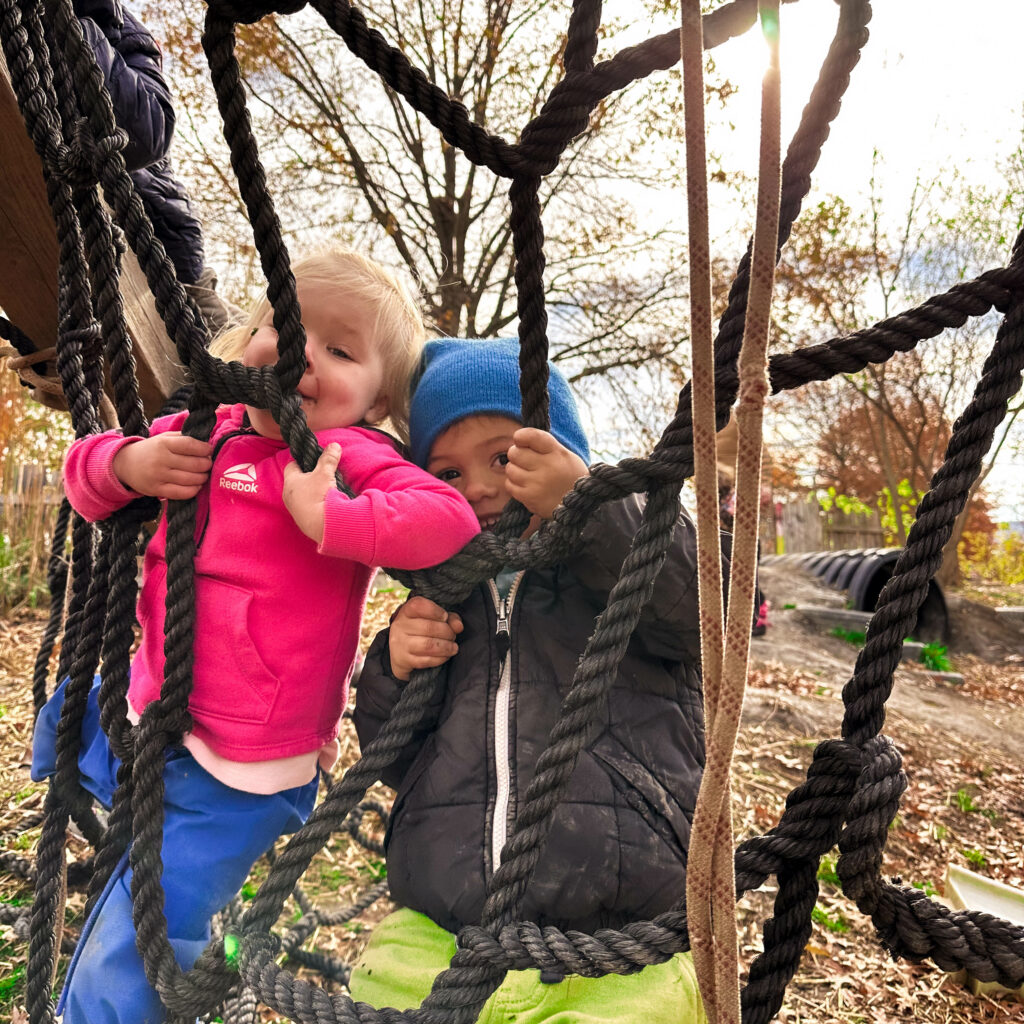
column 277, row 623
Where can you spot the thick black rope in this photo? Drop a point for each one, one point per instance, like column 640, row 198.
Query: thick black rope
column 56, row 581
column 463, row 988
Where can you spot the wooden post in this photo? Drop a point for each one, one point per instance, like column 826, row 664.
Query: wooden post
column 28, row 266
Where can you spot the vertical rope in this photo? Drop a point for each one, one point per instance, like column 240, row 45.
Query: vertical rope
column 709, row 560
column 711, row 838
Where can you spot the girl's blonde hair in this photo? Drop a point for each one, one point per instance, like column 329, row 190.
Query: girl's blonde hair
column 399, row 329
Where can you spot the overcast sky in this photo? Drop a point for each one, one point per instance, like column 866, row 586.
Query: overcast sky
column 939, row 85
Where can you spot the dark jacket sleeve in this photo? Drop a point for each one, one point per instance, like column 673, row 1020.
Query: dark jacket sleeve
column 670, row 621
column 174, row 221
column 131, row 65
column 377, row 694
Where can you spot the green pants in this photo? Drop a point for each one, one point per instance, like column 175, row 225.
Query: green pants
column 407, row 951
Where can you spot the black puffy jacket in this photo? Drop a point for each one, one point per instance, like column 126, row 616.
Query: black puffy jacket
column 617, row 848
column 130, row 61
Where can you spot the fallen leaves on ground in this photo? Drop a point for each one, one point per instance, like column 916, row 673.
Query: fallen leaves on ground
column 965, row 805
column 1002, row 682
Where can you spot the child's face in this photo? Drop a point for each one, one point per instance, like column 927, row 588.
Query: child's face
column 344, row 379
column 471, row 456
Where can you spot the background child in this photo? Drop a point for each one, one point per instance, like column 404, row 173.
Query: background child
column 617, row 848
column 283, row 564
column 132, row 68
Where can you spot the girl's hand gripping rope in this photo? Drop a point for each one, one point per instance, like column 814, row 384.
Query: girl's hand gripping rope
column 304, row 493
column 168, row 465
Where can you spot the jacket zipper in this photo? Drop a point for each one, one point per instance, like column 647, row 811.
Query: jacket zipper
column 502, row 704
column 242, row 431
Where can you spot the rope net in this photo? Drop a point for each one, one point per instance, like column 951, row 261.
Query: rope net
column 853, row 784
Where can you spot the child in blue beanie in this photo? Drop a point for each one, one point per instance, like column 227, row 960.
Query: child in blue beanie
column 618, row 844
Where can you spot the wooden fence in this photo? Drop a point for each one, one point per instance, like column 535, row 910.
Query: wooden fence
column 29, row 497
column 805, row 526
column 29, row 486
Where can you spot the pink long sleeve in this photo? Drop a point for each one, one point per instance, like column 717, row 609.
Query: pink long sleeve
column 89, row 480
column 401, row 517
column 90, row 483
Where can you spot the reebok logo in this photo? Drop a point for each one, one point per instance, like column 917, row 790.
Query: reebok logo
column 241, row 477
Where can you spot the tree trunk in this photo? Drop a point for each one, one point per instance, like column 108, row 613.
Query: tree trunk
column 885, row 457
column 949, row 572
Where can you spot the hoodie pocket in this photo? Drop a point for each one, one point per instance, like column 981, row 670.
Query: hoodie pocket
column 232, row 682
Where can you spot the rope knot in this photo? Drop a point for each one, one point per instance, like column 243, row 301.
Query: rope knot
column 812, row 821
column 248, row 12
column 816, row 809
column 880, row 785
column 88, row 338
column 31, row 368
column 481, row 945
column 78, row 163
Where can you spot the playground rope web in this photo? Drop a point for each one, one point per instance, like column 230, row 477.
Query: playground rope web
column 853, row 784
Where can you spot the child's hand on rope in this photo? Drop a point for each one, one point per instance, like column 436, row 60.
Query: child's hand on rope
column 541, row 470
column 422, row 635
column 169, row 465
column 304, row 493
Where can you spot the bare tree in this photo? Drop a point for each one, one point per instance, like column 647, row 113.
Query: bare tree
column 891, row 422
column 346, row 157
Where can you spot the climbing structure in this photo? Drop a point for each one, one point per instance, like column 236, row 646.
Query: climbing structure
column 853, row 784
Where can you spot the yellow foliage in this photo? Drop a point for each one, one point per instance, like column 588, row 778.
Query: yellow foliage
column 997, row 558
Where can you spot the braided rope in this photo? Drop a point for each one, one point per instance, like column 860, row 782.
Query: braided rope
column 711, row 842
column 700, row 855
column 852, row 784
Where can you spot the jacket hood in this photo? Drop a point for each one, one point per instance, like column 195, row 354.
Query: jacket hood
column 108, row 14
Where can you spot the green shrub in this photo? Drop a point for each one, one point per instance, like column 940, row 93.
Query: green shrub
column 933, row 655
column 837, row 923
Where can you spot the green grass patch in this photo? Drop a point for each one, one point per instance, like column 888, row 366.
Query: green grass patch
column 11, row 982
column 827, row 872
column 963, row 800
column 833, row 922
column 851, row 636
column 975, row 858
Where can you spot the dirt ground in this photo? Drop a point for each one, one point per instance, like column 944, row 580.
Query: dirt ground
column 917, row 695
column 962, row 748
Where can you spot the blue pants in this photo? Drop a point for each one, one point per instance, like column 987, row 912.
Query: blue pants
column 213, row 834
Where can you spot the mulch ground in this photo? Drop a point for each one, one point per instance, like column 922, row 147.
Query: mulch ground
column 965, row 806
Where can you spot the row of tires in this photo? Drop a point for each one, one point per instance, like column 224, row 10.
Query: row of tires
column 862, row 573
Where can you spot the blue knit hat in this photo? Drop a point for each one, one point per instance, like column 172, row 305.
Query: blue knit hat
column 460, row 377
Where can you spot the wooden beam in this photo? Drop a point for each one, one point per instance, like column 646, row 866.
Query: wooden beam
column 28, row 266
